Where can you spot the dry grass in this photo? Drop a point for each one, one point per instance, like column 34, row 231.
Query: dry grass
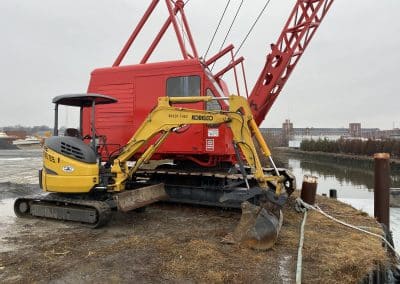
column 170, row 243
column 332, row 250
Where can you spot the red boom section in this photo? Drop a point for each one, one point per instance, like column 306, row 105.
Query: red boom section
column 301, row 26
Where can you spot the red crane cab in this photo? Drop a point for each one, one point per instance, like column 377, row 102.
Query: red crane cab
column 137, row 88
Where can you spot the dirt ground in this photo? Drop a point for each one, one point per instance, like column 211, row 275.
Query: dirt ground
column 179, row 243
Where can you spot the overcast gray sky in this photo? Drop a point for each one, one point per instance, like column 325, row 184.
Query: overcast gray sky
column 349, row 73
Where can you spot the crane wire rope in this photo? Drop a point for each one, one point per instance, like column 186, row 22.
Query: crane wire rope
column 250, row 30
column 217, row 28
column 230, row 28
column 252, row 27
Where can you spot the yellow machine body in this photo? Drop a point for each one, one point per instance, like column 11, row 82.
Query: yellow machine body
column 66, row 175
column 71, row 166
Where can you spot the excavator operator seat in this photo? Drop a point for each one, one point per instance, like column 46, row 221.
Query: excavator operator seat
column 72, row 132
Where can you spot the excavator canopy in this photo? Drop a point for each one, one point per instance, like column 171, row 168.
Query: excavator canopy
column 83, row 100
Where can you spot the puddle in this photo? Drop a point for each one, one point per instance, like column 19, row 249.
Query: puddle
column 7, row 220
column 7, row 214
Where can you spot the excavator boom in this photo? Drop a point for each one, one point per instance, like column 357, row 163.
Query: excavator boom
column 166, row 118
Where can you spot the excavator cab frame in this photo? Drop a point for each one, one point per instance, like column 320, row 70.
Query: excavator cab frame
column 82, row 101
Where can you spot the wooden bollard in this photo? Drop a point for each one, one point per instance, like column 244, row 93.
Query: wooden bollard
column 381, row 188
column 309, row 189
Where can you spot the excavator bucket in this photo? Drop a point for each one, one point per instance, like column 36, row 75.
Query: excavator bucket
column 133, row 199
column 258, row 227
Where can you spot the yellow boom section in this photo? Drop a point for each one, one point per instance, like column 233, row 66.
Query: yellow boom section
column 166, row 118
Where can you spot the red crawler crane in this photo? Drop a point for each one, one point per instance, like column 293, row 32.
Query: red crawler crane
column 138, row 86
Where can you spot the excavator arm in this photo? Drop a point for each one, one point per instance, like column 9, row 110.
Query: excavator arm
column 166, row 118
column 258, row 229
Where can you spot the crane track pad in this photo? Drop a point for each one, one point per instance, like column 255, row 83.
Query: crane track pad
column 140, row 197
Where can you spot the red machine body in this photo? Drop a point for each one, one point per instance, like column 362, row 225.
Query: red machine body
column 138, row 86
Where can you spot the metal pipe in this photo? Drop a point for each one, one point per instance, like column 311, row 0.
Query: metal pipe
column 93, row 126
column 55, row 130
column 381, row 188
column 81, row 121
column 273, row 165
column 137, row 30
column 176, row 28
column 245, row 80
column 229, row 67
column 235, row 73
column 188, row 32
column 219, row 55
column 156, row 41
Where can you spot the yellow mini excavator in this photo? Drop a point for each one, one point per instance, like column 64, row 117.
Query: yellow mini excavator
column 81, row 187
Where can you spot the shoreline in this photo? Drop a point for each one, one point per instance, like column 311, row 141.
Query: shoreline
column 362, row 162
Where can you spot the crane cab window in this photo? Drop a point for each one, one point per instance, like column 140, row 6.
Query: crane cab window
column 183, row 86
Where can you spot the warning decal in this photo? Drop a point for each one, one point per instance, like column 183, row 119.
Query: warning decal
column 209, row 144
column 213, row 132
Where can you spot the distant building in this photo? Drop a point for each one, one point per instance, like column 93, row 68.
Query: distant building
column 292, row 137
column 295, row 143
column 287, row 131
column 355, row 129
column 287, row 128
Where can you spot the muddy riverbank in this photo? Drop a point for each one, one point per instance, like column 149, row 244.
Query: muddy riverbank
column 175, row 243
column 170, row 243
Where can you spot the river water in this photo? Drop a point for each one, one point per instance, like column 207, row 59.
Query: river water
column 354, row 186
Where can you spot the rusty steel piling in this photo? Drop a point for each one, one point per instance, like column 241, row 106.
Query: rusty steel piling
column 381, row 187
column 309, row 189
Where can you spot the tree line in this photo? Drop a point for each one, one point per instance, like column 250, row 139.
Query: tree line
column 353, row 146
column 30, row 130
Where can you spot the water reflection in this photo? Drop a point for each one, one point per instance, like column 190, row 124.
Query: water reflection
column 344, row 175
column 354, row 186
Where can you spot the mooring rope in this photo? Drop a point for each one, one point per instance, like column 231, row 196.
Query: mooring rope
column 300, row 250
column 319, row 210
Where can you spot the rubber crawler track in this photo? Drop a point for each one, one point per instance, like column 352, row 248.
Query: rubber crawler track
column 103, row 210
